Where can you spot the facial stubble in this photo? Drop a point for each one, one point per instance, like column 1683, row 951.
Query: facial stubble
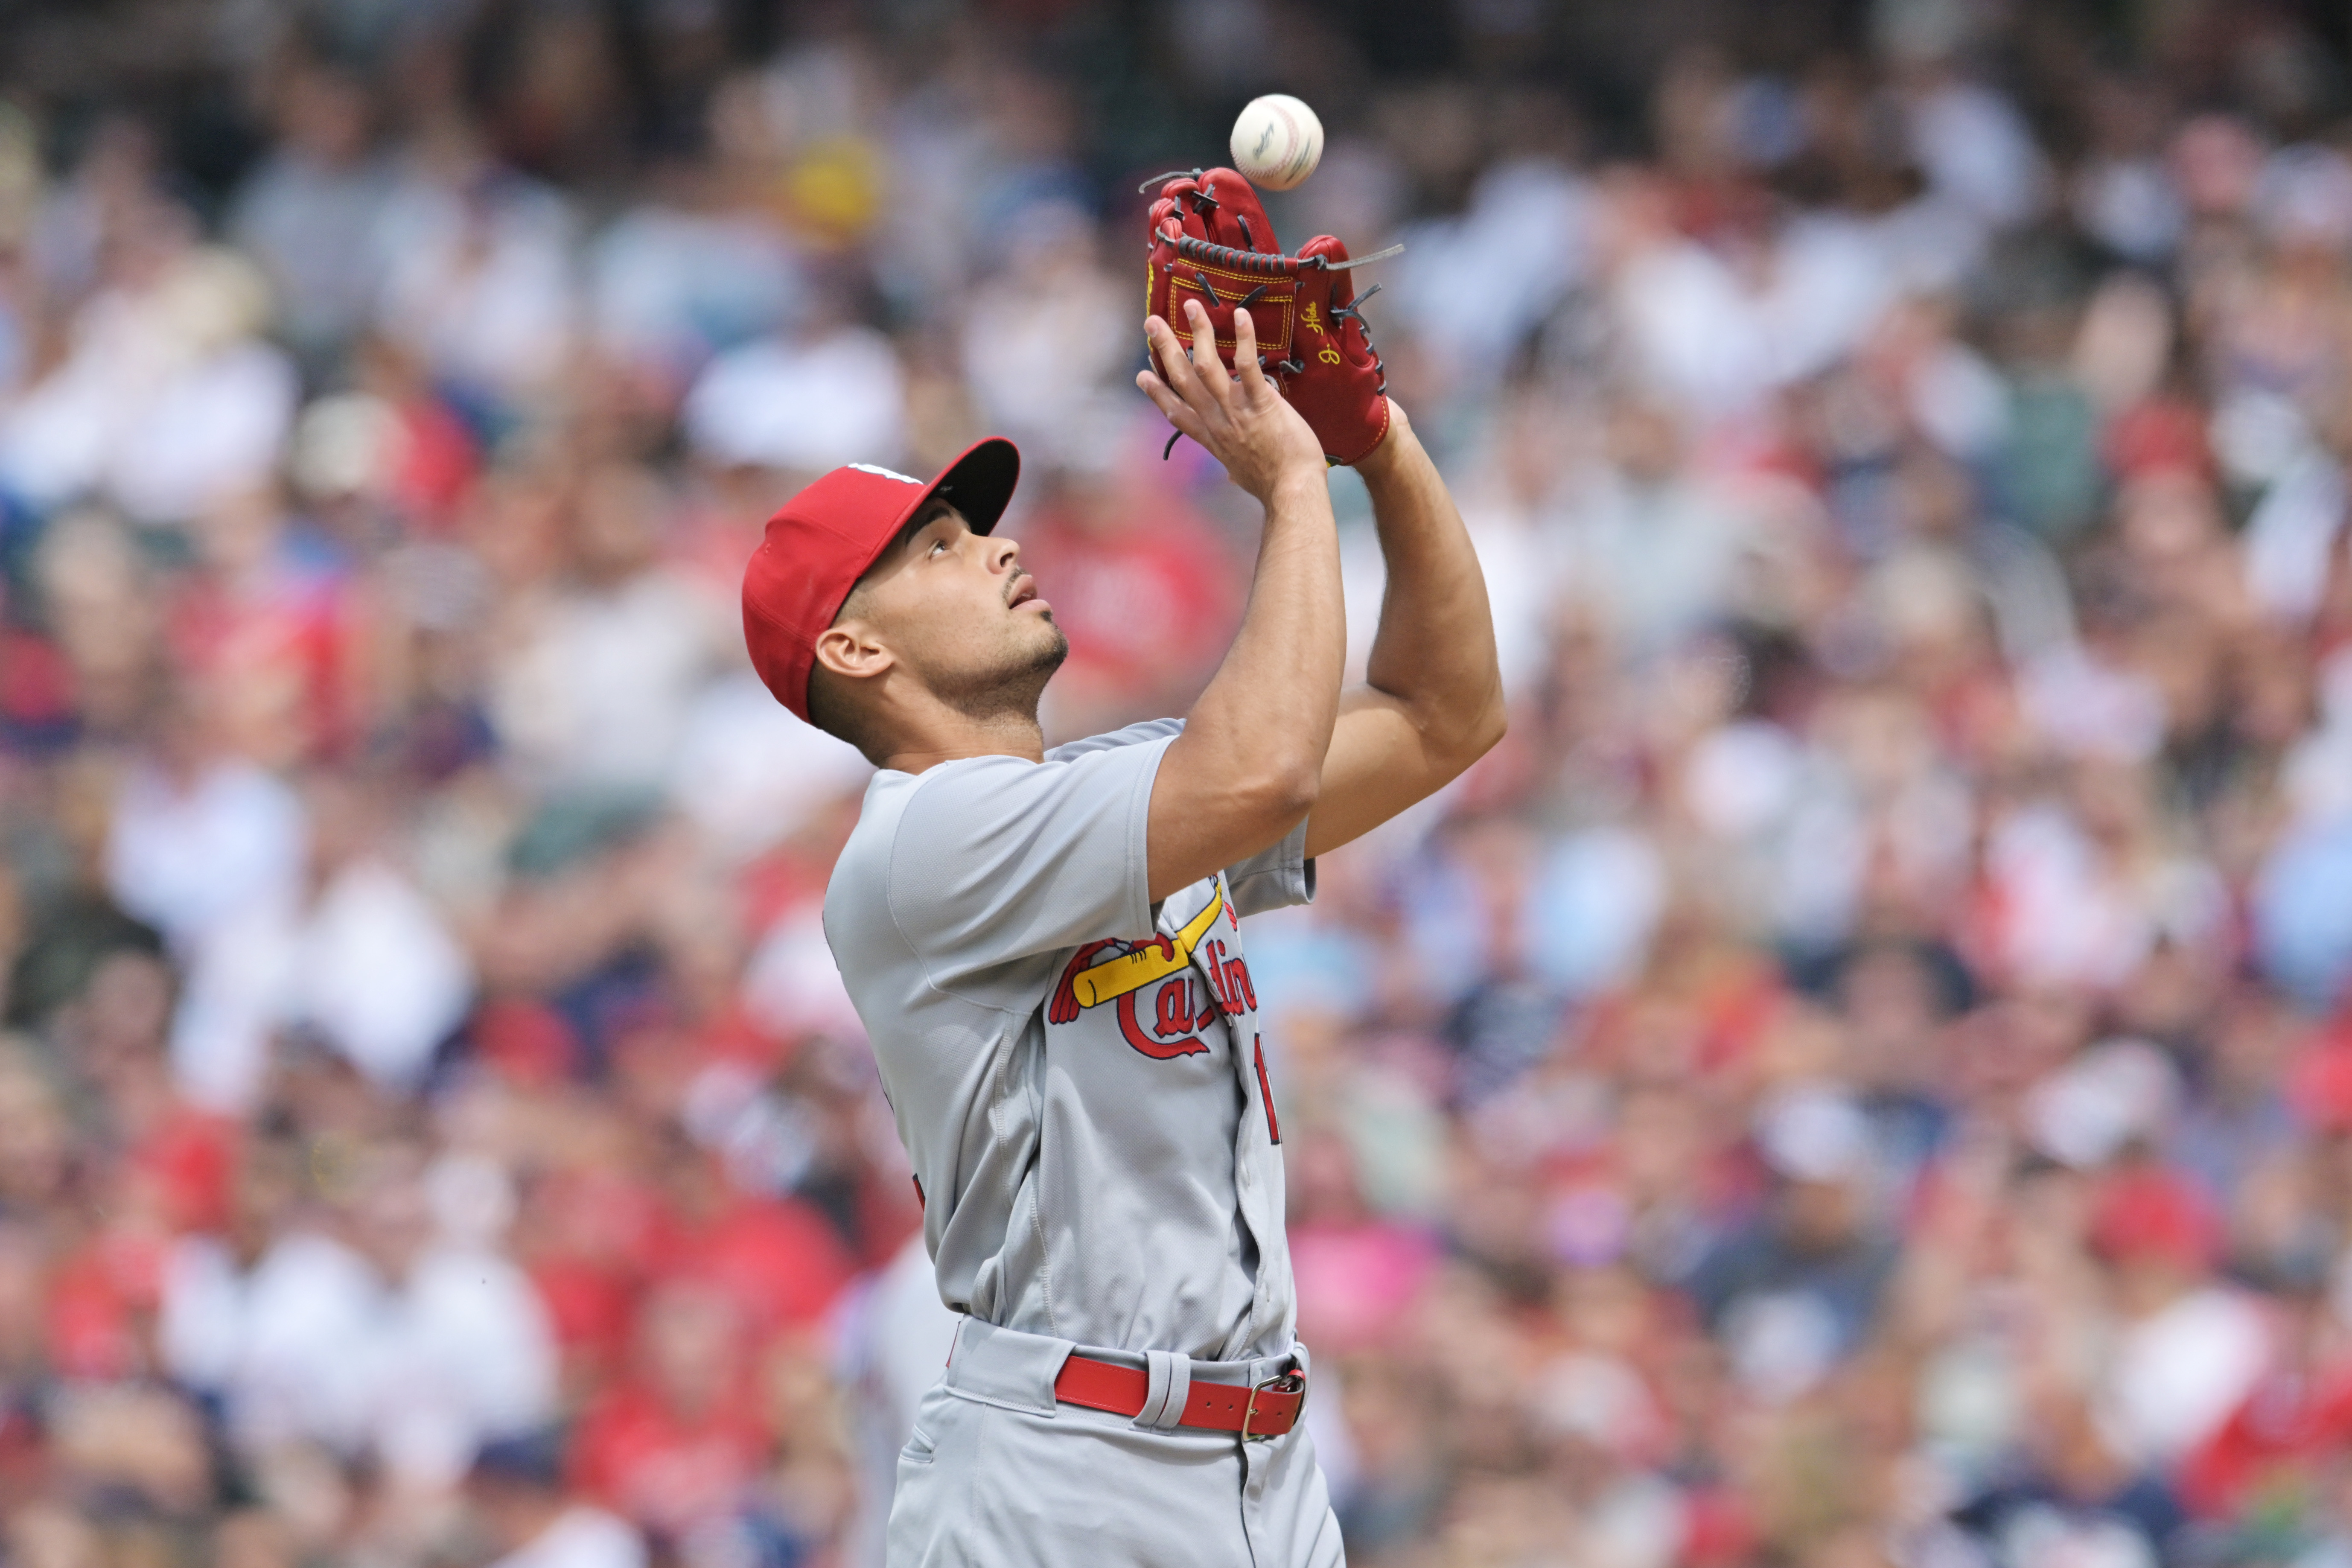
column 1012, row 686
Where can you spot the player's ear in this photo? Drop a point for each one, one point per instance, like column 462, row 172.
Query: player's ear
column 851, row 650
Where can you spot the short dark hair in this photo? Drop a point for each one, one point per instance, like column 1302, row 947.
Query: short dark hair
column 831, row 707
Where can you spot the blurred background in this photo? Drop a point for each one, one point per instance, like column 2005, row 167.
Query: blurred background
column 1861, row 1079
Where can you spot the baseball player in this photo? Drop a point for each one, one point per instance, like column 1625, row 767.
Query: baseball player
column 1045, row 945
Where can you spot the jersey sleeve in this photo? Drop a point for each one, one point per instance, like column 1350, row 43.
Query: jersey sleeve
column 1133, row 735
column 998, row 858
column 1274, row 878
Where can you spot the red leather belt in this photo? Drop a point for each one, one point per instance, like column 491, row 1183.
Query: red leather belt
column 1258, row 1411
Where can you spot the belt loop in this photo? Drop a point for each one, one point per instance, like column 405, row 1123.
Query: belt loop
column 1168, row 1385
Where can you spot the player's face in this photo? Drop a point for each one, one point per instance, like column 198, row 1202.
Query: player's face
column 959, row 612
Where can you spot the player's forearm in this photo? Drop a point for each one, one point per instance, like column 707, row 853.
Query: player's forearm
column 1435, row 648
column 1250, row 758
column 1268, row 711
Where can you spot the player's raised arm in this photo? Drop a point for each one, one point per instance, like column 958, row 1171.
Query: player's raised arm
column 1432, row 703
column 1250, row 760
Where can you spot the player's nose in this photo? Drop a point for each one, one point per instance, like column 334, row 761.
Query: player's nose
column 1005, row 554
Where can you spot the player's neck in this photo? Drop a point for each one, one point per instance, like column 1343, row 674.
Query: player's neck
column 955, row 737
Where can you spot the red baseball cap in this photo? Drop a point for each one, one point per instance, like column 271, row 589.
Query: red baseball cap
column 821, row 541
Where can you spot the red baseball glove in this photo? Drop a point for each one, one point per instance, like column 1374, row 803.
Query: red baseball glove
column 1212, row 241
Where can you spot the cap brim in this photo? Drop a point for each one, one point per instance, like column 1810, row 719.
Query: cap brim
column 979, row 484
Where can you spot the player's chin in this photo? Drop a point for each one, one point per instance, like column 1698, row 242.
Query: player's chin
column 1053, row 647
column 1032, row 643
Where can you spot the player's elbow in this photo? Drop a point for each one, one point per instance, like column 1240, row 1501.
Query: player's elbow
column 1493, row 722
column 1291, row 792
column 1283, row 792
column 1467, row 733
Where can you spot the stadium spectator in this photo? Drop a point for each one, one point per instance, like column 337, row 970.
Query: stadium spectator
column 1861, row 1077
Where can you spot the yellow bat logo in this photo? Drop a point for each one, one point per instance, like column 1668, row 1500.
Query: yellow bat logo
column 1153, row 960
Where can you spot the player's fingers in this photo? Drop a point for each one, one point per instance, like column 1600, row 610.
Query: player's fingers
column 1175, row 370
column 1167, row 402
column 1178, row 412
column 1182, row 417
column 1246, row 365
column 1206, row 363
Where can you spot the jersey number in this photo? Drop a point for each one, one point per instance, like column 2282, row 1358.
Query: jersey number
column 1266, row 1090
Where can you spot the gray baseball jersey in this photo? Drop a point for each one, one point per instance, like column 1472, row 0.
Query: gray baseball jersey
column 1076, row 1073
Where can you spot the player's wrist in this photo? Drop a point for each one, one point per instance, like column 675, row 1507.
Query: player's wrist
column 1392, row 451
column 1295, row 480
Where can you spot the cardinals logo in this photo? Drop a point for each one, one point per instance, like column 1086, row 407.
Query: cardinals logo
column 1119, row 973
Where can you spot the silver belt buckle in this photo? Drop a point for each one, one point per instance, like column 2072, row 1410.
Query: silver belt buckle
column 1291, row 1381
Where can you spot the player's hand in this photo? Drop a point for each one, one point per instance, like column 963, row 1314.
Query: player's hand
column 1240, row 417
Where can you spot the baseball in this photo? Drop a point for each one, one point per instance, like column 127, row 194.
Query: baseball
column 1277, row 142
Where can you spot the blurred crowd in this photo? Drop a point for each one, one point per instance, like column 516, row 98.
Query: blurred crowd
column 1861, row 1079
